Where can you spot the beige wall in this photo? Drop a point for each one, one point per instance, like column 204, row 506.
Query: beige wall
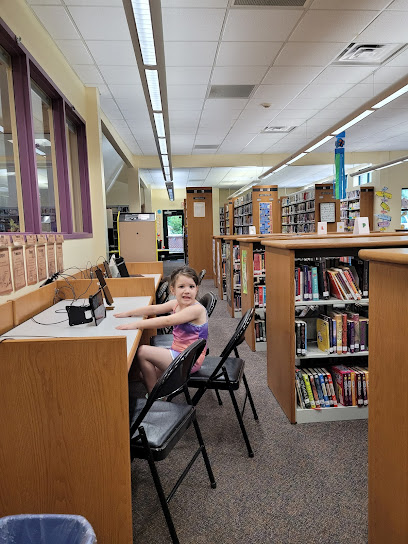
column 118, row 195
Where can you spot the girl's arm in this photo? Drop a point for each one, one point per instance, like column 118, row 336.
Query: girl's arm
column 183, row 316
column 156, row 309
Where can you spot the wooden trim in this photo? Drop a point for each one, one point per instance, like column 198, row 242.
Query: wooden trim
column 339, row 242
column 6, row 317
column 396, row 256
column 33, row 303
column 119, row 287
column 150, row 267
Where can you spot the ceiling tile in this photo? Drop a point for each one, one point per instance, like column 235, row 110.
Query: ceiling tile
column 331, row 25
column 399, row 5
column 110, row 108
column 187, row 105
column 119, row 53
column 44, row 2
column 238, row 75
column 127, row 91
column 190, row 53
column 56, row 21
column 223, row 104
column 269, row 93
column 193, row 3
column 344, row 74
column 74, row 51
column 209, row 139
column 104, row 91
column 309, row 54
column 247, row 53
column 121, row 75
column 401, row 59
column 264, row 115
column 291, row 75
column 188, row 75
column 109, row 3
column 350, row 4
column 325, row 91
column 133, row 108
column 88, row 74
column 389, row 74
column 389, row 27
column 196, row 25
column 179, row 92
column 255, row 25
column 106, row 23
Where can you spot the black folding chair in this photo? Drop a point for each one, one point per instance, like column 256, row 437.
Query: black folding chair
column 201, row 275
column 209, row 301
column 225, row 373
column 157, row 426
column 162, row 292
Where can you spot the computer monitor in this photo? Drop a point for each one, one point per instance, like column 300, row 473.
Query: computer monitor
column 97, row 307
column 104, row 287
column 107, row 269
column 122, row 268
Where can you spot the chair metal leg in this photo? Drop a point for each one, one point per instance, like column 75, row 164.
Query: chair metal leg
column 204, row 454
column 251, row 402
column 159, row 489
column 218, row 397
column 237, row 412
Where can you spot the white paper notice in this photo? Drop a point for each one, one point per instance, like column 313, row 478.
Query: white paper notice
column 361, row 226
column 199, row 209
column 321, row 227
column 340, row 226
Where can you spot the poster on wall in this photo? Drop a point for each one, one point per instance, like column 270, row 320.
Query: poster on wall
column 6, row 285
column 17, row 259
column 383, row 218
column 199, row 209
column 244, row 279
column 41, row 263
column 60, row 257
column 31, row 265
column 328, row 212
column 51, row 259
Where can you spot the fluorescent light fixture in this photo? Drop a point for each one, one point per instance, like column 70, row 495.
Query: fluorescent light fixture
column 1, row 129
column 388, row 165
column 159, row 122
column 315, row 146
column 365, row 113
column 152, row 77
column 165, row 160
column 163, row 146
column 167, row 170
column 280, row 168
column 392, row 97
column 296, row 158
column 170, row 189
column 143, row 18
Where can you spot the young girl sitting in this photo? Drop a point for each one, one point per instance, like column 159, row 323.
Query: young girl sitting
column 188, row 319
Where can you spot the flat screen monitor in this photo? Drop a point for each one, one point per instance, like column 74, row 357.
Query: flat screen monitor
column 97, row 306
column 104, row 287
column 107, row 269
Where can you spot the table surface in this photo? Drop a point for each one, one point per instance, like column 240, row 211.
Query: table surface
column 49, row 324
column 156, row 278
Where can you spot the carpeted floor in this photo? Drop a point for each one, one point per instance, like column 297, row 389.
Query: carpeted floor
column 306, row 483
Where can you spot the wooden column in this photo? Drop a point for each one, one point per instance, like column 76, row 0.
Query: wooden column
column 323, row 194
column 200, row 229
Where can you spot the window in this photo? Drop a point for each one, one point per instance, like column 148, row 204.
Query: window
column 45, row 158
column 74, row 177
column 362, row 179
column 11, row 219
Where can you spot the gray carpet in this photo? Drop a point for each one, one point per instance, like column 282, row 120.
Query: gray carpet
column 306, row 483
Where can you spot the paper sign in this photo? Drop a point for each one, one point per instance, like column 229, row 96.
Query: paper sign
column 6, row 286
column 322, row 227
column 252, row 229
column 41, row 263
column 60, row 258
column 361, row 225
column 51, row 259
column 199, row 209
column 42, row 238
column 59, row 238
column 31, row 239
column 328, row 212
column 51, row 238
column 5, row 240
column 340, row 227
column 31, row 265
column 18, row 239
column 17, row 258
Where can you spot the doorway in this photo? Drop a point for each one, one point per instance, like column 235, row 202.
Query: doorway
column 173, row 233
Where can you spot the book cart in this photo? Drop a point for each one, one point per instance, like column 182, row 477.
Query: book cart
column 387, row 424
column 358, row 203
column 280, row 296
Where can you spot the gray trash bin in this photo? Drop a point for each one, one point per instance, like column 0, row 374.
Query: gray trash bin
column 46, row 529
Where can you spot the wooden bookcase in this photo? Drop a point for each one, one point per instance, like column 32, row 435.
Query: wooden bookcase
column 222, row 220
column 280, row 296
column 259, row 207
column 200, row 229
column 358, row 203
column 301, row 210
column 229, row 217
column 387, row 423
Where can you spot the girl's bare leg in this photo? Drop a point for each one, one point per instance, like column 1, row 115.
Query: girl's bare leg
column 150, row 360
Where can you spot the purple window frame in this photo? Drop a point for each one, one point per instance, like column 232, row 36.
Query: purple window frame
column 24, row 69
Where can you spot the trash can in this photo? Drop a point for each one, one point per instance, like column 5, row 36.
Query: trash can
column 46, row 529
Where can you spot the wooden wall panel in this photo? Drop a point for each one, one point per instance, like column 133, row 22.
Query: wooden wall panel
column 119, row 287
column 34, row 302
column 65, row 432
column 247, row 299
column 150, row 267
column 324, row 193
column 6, row 317
column 200, row 231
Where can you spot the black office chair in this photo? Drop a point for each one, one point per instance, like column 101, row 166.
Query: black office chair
column 209, row 301
column 162, row 292
column 201, row 275
column 157, row 426
column 225, row 373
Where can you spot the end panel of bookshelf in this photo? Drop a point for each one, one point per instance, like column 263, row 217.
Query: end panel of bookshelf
column 247, row 299
column 280, row 327
column 339, row 413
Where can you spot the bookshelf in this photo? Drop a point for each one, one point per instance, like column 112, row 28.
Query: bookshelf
column 229, row 214
column 301, row 210
column 387, row 428
column 358, row 203
column 252, row 283
column 260, row 208
column 217, row 259
column 222, row 220
column 232, row 274
column 280, row 295
column 113, row 236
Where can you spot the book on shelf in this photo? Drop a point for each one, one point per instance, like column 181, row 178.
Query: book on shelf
column 260, row 328
column 259, row 262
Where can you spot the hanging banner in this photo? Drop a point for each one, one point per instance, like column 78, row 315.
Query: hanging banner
column 383, row 219
column 339, row 188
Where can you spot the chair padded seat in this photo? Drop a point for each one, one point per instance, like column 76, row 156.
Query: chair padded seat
column 235, row 370
column 163, row 425
column 162, row 341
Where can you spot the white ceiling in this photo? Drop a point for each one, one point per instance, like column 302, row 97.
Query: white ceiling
column 285, row 52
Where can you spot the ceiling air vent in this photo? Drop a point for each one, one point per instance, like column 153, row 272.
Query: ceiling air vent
column 367, row 54
column 205, row 146
column 272, row 3
column 277, row 130
column 231, row 91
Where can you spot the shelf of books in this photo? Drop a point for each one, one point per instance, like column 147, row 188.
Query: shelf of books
column 358, row 203
column 222, row 287
column 222, row 220
column 258, row 208
column 253, row 290
column 301, row 210
column 229, row 214
column 319, row 292
column 233, row 274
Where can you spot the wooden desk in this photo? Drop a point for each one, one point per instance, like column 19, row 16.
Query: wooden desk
column 387, row 423
column 64, row 418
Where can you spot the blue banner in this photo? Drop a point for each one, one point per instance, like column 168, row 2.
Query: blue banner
column 340, row 181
